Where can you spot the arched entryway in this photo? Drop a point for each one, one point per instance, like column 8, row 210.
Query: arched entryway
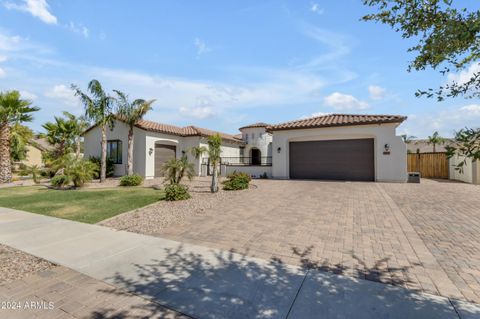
column 256, row 156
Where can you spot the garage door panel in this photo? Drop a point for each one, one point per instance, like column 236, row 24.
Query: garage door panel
column 163, row 153
column 333, row 160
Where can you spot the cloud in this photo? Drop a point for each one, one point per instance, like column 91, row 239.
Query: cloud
column 3, row 58
column 198, row 112
column 201, row 46
column 465, row 75
column 62, row 93
column 79, row 29
column 340, row 101
column 28, row 95
column 315, row 8
column 37, row 8
column 376, row 92
column 316, row 114
column 2, row 73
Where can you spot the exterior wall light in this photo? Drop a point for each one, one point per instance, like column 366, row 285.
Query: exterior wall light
column 279, row 149
column 150, row 151
column 386, row 149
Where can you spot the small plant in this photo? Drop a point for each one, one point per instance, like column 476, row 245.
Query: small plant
column 175, row 170
column 80, row 171
column 33, row 170
column 174, row 192
column 237, row 181
column 264, row 175
column 131, row 180
column 60, row 181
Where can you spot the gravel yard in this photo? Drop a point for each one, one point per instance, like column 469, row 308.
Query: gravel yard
column 152, row 219
column 15, row 264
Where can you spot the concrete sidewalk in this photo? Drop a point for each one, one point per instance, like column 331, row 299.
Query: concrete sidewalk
column 208, row 283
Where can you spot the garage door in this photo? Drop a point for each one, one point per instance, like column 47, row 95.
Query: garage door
column 333, row 160
column 163, row 153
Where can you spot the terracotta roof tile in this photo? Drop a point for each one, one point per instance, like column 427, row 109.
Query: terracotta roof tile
column 337, row 120
column 259, row 124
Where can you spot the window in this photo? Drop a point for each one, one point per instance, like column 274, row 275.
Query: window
column 114, row 151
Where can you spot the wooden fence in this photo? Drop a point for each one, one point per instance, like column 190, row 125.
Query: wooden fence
column 431, row 165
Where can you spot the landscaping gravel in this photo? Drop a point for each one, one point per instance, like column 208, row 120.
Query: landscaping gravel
column 15, row 264
column 152, row 219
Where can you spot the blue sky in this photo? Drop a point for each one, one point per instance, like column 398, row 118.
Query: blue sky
column 221, row 64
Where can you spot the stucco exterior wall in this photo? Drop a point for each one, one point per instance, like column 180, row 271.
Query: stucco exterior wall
column 470, row 173
column 263, row 143
column 388, row 168
column 254, row 171
column 34, row 156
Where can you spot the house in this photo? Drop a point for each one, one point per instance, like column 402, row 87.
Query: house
column 422, row 146
column 35, row 148
column 335, row 146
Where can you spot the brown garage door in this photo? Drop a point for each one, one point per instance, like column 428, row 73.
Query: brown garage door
column 333, row 160
column 163, row 153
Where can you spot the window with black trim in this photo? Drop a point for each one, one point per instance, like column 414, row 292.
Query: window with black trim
column 114, row 151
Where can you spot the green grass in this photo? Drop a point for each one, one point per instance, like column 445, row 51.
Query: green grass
column 87, row 206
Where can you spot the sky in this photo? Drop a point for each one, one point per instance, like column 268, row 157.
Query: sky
column 222, row 64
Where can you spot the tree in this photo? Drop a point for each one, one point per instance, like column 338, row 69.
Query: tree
column 213, row 151
column 13, row 110
column 466, row 144
column 176, row 169
column 78, row 125
column 434, row 140
column 98, row 109
column 447, row 39
column 62, row 134
column 131, row 112
column 408, row 138
column 20, row 137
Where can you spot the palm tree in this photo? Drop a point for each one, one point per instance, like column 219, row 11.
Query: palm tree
column 78, row 124
column 98, row 109
column 214, row 151
column 176, row 169
column 131, row 113
column 13, row 110
column 408, row 138
column 434, row 140
column 20, row 137
column 60, row 133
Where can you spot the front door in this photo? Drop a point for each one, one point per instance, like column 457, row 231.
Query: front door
column 256, row 156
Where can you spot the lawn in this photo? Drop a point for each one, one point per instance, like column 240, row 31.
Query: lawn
column 85, row 205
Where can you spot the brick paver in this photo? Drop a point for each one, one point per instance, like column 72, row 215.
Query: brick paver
column 63, row 293
column 446, row 216
column 357, row 229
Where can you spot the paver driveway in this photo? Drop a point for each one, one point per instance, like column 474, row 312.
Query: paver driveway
column 424, row 237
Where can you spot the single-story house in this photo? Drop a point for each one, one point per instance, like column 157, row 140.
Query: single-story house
column 335, row 146
column 35, row 148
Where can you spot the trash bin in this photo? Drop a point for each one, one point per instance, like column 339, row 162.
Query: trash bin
column 414, row 177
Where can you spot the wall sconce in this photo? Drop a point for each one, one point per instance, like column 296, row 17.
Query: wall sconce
column 150, row 151
column 386, row 149
column 279, row 149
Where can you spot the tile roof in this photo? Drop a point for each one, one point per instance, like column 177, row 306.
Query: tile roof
column 337, row 120
column 179, row 131
column 41, row 143
column 259, row 124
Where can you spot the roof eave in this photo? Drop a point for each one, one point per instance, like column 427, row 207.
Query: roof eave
column 273, row 128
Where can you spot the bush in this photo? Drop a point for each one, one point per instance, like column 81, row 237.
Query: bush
column 131, row 180
column 60, row 181
column 97, row 161
column 80, row 171
column 175, row 192
column 237, row 181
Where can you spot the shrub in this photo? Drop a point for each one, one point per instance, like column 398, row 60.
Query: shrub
column 131, row 180
column 80, row 171
column 237, row 181
column 33, row 170
column 174, row 192
column 60, row 181
column 97, row 161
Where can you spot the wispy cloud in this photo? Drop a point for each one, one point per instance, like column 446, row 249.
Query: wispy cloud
column 78, row 29
column 376, row 92
column 37, row 8
column 63, row 94
column 341, row 102
column 202, row 47
column 315, row 8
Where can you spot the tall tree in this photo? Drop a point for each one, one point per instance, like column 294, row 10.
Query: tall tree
column 61, row 134
column 435, row 140
column 20, row 137
column 98, row 109
column 408, row 138
column 214, row 152
column 131, row 112
column 13, row 110
column 467, row 145
column 447, row 39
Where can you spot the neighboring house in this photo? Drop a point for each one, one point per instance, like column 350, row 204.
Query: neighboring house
column 35, row 148
column 336, row 146
column 422, row 146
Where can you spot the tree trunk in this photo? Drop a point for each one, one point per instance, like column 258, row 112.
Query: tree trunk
column 77, row 147
column 214, row 186
column 5, row 162
column 130, row 152
column 103, row 165
column 434, row 150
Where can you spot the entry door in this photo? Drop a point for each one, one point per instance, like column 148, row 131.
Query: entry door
column 333, row 160
column 163, row 153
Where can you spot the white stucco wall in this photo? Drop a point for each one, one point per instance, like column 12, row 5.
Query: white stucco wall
column 254, row 171
column 392, row 167
column 470, row 173
column 92, row 146
column 263, row 143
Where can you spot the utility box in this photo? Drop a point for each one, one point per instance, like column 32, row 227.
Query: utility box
column 414, row 177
